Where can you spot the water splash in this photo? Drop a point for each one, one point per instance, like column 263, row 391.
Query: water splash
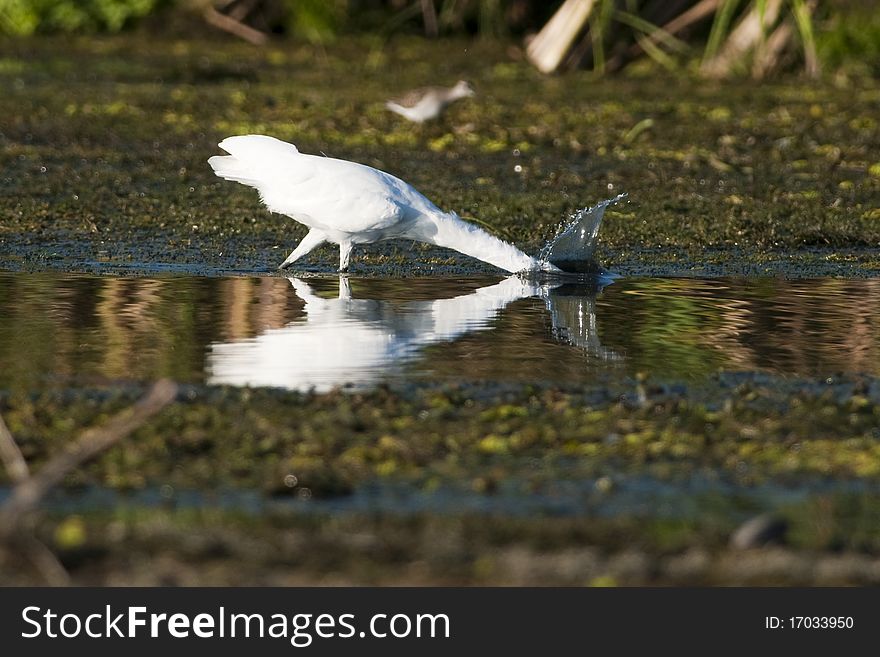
column 574, row 247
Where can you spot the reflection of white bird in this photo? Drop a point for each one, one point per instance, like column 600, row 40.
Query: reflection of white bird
column 426, row 104
column 572, row 309
column 356, row 341
column 348, row 203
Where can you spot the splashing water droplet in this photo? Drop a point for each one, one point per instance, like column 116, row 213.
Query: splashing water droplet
column 574, row 246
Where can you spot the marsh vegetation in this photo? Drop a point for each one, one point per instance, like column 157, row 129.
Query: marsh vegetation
column 732, row 372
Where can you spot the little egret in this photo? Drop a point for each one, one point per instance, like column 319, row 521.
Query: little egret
column 422, row 105
column 347, row 203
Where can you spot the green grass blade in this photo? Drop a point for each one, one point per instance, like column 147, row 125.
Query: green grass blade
column 598, row 29
column 723, row 17
column 761, row 6
column 803, row 20
column 655, row 33
column 654, row 52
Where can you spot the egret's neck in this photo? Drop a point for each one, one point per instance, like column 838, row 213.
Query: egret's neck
column 447, row 229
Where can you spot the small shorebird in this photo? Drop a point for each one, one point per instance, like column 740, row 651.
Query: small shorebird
column 422, row 105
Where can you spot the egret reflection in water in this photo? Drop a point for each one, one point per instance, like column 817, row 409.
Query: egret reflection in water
column 359, row 342
column 572, row 309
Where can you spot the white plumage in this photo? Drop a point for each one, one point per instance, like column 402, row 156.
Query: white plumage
column 347, row 203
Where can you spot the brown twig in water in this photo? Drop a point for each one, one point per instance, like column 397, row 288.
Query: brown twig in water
column 242, row 9
column 43, row 559
column 28, row 492
column 429, row 18
column 239, row 29
column 11, row 456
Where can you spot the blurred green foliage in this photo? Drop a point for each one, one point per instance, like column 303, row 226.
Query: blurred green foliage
column 849, row 38
column 25, row 17
column 315, row 20
column 844, row 33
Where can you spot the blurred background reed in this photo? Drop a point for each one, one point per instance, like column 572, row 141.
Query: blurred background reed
column 713, row 38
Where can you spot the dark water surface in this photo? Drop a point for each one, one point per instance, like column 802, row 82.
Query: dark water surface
column 325, row 332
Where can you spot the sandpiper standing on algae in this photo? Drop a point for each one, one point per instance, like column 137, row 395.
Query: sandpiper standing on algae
column 426, row 104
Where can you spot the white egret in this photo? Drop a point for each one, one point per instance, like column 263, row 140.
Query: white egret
column 347, row 203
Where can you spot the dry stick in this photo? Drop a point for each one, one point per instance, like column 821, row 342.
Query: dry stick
column 743, row 38
column 240, row 11
column 429, row 18
column 52, row 570
column 239, row 29
column 549, row 47
column 11, row 456
column 28, row 493
column 41, row 556
column 768, row 53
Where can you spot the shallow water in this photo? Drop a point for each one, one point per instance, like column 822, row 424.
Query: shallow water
column 319, row 333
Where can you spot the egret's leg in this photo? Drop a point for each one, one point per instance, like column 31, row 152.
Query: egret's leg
column 344, row 255
column 312, row 240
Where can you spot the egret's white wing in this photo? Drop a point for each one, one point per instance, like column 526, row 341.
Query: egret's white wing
column 351, row 197
column 323, row 192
